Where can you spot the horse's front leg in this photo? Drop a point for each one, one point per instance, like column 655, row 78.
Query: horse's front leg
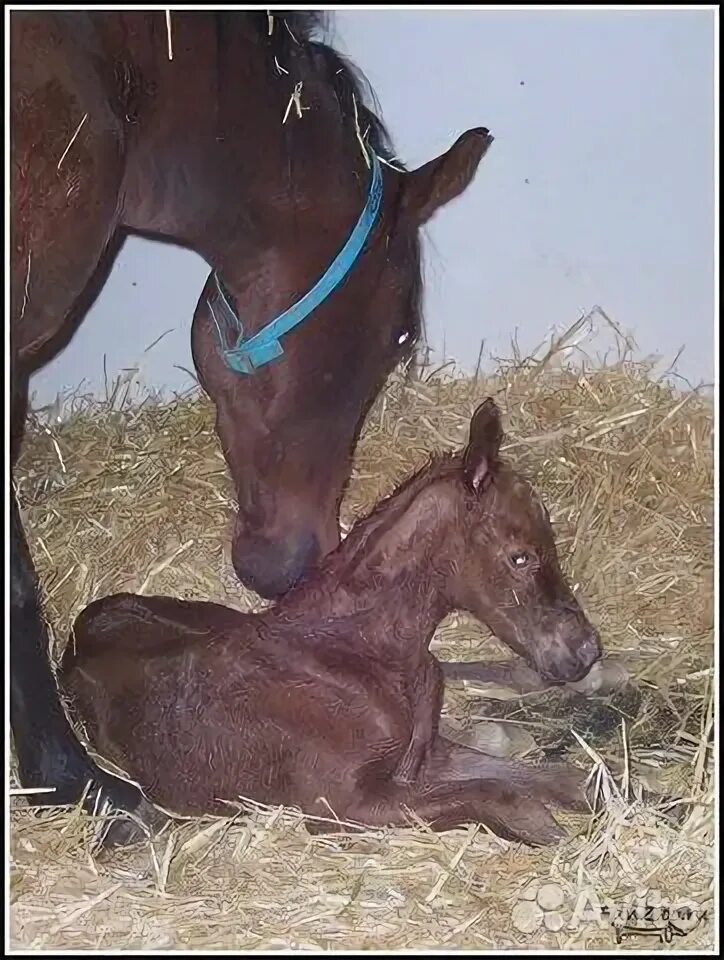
column 48, row 752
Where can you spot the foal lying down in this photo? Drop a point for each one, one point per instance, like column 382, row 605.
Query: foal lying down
column 331, row 699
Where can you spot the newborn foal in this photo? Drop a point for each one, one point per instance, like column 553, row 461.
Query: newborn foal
column 331, row 699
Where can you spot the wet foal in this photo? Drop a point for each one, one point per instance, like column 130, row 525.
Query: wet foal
column 332, row 698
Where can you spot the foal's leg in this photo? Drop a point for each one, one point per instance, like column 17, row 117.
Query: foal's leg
column 560, row 784
column 505, row 809
column 426, row 695
column 605, row 676
column 514, row 674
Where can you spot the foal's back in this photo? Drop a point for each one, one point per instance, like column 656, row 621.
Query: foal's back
column 209, row 703
column 152, row 679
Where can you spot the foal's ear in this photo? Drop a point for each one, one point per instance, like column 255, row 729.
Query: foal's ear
column 438, row 182
column 481, row 453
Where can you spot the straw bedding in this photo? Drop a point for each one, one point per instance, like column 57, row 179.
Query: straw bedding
column 139, row 499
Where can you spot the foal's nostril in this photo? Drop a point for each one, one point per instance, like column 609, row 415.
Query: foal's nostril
column 272, row 568
column 568, row 655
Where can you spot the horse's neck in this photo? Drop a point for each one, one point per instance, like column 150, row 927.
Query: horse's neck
column 211, row 162
column 174, row 162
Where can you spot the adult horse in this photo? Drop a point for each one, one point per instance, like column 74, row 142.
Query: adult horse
column 242, row 137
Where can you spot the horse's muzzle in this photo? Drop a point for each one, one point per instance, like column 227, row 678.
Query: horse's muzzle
column 272, row 568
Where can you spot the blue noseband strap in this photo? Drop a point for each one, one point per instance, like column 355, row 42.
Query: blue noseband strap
column 246, row 356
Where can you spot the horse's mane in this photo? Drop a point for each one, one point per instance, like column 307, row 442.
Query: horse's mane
column 300, row 36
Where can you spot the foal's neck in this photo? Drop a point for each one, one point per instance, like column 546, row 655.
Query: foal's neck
column 391, row 575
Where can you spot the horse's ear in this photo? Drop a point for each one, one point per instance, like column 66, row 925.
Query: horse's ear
column 486, row 436
column 438, row 182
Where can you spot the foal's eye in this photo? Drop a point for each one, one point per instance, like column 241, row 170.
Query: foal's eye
column 519, row 560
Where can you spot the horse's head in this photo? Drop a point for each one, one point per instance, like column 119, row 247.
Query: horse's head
column 288, row 428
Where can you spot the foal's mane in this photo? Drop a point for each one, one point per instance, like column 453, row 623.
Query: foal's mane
column 389, row 510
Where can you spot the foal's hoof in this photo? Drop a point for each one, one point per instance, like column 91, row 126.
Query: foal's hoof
column 541, row 836
column 531, row 823
column 604, row 677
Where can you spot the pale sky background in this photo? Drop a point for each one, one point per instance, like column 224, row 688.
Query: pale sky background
column 599, row 189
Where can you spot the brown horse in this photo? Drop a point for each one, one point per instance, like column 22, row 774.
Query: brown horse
column 333, row 693
column 242, row 137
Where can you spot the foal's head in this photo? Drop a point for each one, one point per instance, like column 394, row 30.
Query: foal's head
column 288, row 429
column 506, row 569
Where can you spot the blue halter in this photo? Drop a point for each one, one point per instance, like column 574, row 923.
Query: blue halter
column 246, row 356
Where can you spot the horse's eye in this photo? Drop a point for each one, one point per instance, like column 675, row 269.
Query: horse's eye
column 403, row 337
column 519, row 560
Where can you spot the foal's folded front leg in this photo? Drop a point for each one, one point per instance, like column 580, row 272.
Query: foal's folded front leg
column 560, row 784
column 605, row 676
column 426, row 694
column 514, row 674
